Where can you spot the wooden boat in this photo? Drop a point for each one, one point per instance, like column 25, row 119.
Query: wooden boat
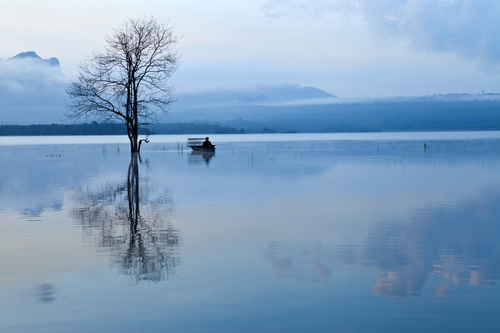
column 197, row 144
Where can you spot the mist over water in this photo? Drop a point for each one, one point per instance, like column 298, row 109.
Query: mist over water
column 271, row 233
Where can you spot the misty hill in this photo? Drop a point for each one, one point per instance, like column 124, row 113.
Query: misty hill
column 436, row 113
column 31, row 55
column 270, row 95
column 32, row 90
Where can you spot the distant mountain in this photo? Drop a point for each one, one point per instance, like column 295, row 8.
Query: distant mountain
column 32, row 90
column 31, row 55
column 432, row 113
column 271, row 95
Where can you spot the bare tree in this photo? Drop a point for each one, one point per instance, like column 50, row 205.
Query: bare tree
column 128, row 82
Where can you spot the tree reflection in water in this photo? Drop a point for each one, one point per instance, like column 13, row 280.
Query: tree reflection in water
column 132, row 224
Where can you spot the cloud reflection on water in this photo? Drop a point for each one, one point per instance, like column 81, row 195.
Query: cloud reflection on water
column 328, row 183
column 454, row 244
column 301, row 262
column 295, row 240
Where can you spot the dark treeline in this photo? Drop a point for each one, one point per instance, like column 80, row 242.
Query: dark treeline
column 95, row 128
column 58, row 129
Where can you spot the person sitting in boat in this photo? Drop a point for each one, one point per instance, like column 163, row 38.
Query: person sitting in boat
column 207, row 143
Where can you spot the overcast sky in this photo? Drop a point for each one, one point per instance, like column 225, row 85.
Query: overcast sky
column 350, row 48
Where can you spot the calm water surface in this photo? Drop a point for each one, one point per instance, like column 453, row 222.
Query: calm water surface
column 272, row 233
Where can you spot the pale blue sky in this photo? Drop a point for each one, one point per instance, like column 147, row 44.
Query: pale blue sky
column 351, row 48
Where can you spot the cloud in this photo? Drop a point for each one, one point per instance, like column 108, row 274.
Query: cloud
column 315, row 8
column 466, row 28
column 24, row 73
column 32, row 91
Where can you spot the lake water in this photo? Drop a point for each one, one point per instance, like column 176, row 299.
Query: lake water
column 272, row 233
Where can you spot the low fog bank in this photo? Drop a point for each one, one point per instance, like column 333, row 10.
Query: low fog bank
column 294, row 108
column 32, row 90
column 290, row 94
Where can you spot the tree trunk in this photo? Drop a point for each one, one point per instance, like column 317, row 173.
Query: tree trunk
column 133, row 141
column 133, row 191
column 134, row 144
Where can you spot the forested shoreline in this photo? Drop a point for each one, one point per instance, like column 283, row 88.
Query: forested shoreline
column 95, row 128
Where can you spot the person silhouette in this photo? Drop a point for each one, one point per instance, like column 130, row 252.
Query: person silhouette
column 207, row 143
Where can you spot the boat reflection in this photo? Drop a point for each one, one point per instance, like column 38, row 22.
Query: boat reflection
column 130, row 222
column 45, row 293
column 197, row 157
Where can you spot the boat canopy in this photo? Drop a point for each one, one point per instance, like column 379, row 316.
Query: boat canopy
column 195, row 142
